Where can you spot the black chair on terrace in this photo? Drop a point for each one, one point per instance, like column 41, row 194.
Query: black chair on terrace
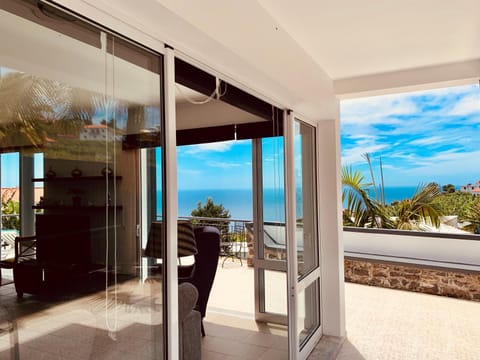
column 205, row 267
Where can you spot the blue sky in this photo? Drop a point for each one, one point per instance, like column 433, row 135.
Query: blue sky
column 422, row 137
column 223, row 165
column 228, row 165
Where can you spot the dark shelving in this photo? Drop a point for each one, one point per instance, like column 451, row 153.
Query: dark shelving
column 75, row 179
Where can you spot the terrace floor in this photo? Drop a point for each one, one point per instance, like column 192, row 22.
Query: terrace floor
column 381, row 323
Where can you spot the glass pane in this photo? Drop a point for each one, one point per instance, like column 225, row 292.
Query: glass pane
column 275, row 292
column 308, row 312
column 273, row 199
column 306, row 200
column 76, row 103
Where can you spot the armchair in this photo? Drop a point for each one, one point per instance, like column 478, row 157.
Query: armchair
column 205, row 268
column 58, row 253
column 205, row 244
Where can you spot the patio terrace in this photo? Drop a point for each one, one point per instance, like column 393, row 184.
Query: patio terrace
column 381, row 324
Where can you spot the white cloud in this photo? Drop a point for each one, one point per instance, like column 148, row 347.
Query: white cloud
column 354, row 155
column 428, row 140
column 445, row 162
column 467, row 106
column 379, row 109
column 223, row 164
column 210, row 147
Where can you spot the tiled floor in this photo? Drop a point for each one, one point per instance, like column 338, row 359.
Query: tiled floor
column 80, row 327
column 400, row 325
column 381, row 324
column 233, row 337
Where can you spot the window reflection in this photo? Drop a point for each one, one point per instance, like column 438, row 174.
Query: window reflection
column 76, row 104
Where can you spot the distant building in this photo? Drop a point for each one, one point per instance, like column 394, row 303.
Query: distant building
column 13, row 193
column 471, row 188
column 98, row 133
column 94, row 132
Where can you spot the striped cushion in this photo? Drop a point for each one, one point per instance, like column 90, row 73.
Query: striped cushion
column 154, row 243
column 186, row 239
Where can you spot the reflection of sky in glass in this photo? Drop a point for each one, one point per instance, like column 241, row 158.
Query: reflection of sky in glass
column 4, row 71
column 10, row 168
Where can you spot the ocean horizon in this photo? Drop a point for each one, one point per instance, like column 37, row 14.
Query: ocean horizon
column 239, row 202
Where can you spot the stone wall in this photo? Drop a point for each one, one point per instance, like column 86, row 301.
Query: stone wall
column 460, row 284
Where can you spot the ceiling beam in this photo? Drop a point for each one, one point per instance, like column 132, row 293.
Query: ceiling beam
column 460, row 73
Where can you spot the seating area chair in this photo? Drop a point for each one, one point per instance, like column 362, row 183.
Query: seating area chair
column 229, row 247
column 205, row 267
column 189, row 322
column 205, row 244
column 57, row 256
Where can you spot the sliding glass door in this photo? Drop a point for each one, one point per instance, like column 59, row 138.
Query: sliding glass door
column 78, row 104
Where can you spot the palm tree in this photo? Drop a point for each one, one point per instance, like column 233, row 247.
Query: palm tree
column 33, row 109
column 361, row 210
column 473, row 218
column 410, row 213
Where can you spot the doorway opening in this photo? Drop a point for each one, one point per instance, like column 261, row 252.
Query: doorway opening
column 230, row 154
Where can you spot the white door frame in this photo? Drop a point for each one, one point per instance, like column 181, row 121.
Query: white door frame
column 294, row 285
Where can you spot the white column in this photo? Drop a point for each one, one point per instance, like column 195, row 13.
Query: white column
column 331, row 233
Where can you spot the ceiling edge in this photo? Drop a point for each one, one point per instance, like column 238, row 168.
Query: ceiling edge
column 454, row 74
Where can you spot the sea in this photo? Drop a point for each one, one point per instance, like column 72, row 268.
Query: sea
column 239, row 202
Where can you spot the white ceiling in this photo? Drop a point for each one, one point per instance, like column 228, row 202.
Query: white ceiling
column 350, row 38
column 346, row 38
column 306, row 54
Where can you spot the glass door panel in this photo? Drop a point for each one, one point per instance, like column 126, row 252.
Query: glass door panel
column 308, row 319
column 303, row 241
column 275, row 292
column 77, row 103
column 270, row 255
column 305, row 180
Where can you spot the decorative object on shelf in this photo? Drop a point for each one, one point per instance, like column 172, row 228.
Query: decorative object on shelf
column 50, row 173
column 76, row 172
column 76, row 198
column 107, row 171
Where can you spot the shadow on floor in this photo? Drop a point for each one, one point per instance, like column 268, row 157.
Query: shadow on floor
column 349, row 352
column 243, row 339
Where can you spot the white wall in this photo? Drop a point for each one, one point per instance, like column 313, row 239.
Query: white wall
column 428, row 250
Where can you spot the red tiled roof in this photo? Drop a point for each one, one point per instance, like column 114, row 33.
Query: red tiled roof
column 95, row 127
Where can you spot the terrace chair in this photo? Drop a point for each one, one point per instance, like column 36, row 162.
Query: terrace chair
column 206, row 251
column 230, row 247
column 205, row 267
